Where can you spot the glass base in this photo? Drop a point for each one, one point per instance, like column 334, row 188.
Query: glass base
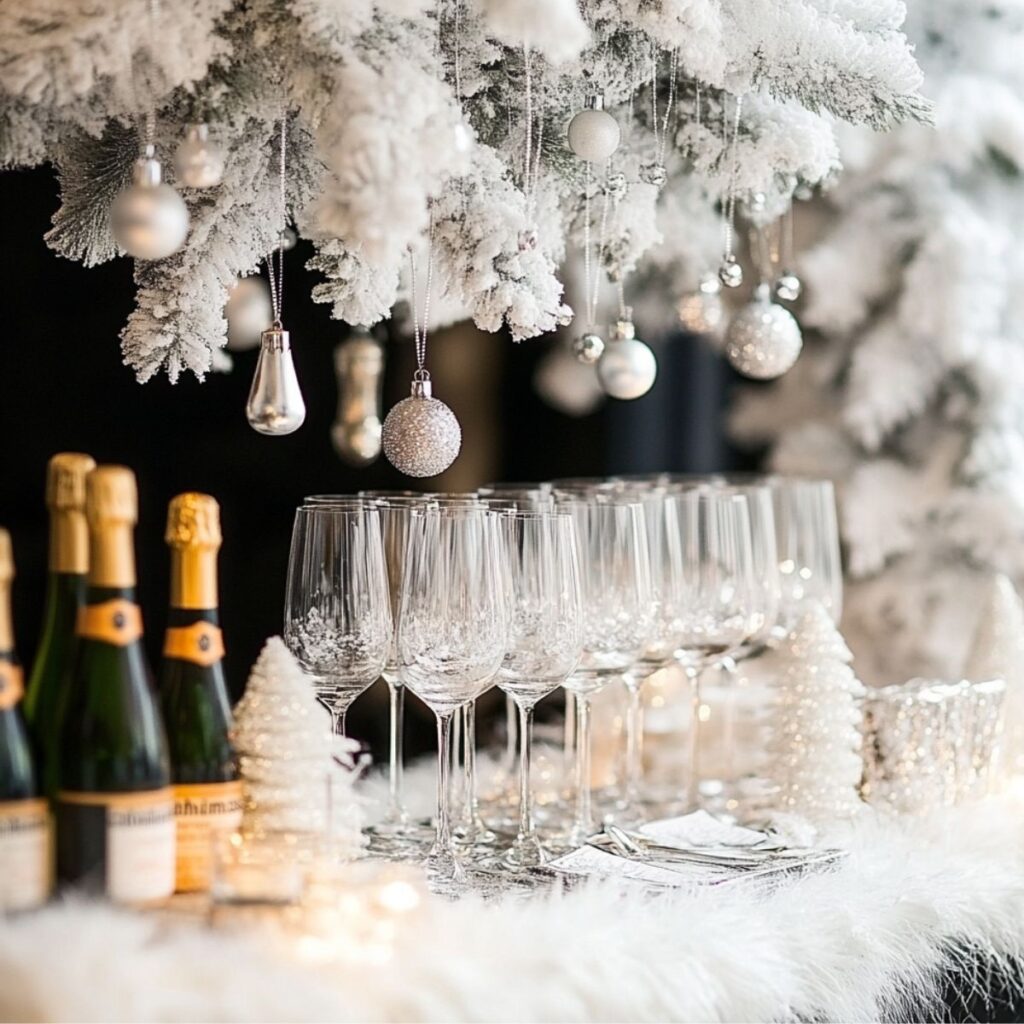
column 525, row 852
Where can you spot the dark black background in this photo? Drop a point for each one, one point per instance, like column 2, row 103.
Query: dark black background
column 65, row 388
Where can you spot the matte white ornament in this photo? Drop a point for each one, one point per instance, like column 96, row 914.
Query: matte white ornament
column 588, row 348
column 593, row 133
column 566, row 384
column 199, row 161
column 149, row 220
column 275, row 405
column 248, row 313
column 763, row 340
column 628, row 368
column 421, row 435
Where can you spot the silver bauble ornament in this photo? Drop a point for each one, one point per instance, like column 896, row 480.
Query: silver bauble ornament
column 359, row 366
column 288, row 239
column 593, row 133
column 627, row 369
column 588, row 348
column 148, row 219
column 198, row 161
column 788, row 286
column 654, row 174
column 275, row 405
column 730, row 273
column 702, row 311
column 763, row 339
column 248, row 313
column 527, row 239
column 615, row 185
column 421, row 435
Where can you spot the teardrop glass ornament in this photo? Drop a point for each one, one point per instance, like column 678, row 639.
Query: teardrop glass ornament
column 275, row 405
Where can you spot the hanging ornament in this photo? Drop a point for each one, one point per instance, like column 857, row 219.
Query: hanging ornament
column 198, row 161
column 359, row 366
column 421, row 435
column 588, row 348
column 627, row 369
column 763, row 340
column 288, row 239
column 702, row 311
column 655, row 172
column 593, row 133
column 568, row 386
column 276, row 405
column 248, row 312
column 788, row 286
column 730, row 273
column 615, row 186
column 148, row 219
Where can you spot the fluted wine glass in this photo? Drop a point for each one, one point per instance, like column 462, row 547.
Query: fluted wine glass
column 452, row 631
column 337, row 611
column 545, row 638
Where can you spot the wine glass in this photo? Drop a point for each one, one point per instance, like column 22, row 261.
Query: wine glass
column 545, row 638
column 337, row 612
column 618, row 625
column 452, row 631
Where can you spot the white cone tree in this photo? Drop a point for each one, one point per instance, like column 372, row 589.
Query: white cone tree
column 815, row 756
column 290, row 763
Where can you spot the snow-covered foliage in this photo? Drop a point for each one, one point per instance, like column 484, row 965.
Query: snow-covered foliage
column 915, row 404
column 407, row 113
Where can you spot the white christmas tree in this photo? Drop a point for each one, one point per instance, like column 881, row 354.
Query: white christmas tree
column 815, row 756
column 297, row 777
column 998, row 653
column 909, row 392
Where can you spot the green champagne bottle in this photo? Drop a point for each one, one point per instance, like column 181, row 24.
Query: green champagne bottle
column 115, row 807
column 24, row 818
column 65, row 592
column 193, row 695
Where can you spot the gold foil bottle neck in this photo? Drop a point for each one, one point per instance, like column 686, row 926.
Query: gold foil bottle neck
column 193, row 521
column 65, row 480
column 111, row 496
column 6, row 575
column 6, row 558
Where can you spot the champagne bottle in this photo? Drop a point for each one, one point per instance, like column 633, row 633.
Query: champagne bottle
column 194, row 699
column 65, row 592
column 115, row 807
column 24, row 819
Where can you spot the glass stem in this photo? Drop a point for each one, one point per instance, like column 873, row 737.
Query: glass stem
column 456, row 759
column 339, row 722
column 693, row 673
column 634, row 742
column 570, row 730
column 443, row 852
column 395, row 766
column 583, row 826
column 525, row 801
column 510, row 734
column 470, row 809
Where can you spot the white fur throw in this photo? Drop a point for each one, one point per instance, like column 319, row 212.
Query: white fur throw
column 864, row 942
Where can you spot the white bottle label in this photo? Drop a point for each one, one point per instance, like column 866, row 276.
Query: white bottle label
column 201, row 810
column 25, row 875
column 140, row 846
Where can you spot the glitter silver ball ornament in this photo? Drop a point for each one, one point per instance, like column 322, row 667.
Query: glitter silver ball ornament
column 527, row 239
column 702, row 311
column 593, row 133
column 627, row 369
column 149, row 220
column 730, row 273
column 248, row 313
column 763, row 340
column 198, row 161
column 788, row 286
column 654, row 174
column 615, row 185
column 421, row 435
column 588, row 348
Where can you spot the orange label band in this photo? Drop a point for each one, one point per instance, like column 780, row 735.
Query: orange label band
column 202, row 643
column 12, row 685
column 31, row 811
column 117, row 622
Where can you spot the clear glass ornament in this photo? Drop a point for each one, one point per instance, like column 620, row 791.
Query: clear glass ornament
column 276, row 406
column 359, row 366
column 593, row 133
column 248, row 313
column 421, row 435
column 148, row 219
column 764, row 339
column 730, row 273
column 616, row 186
column 628, row 368
column 198, row 161
column 788, row 286
column 654, row 174
column 588, row 348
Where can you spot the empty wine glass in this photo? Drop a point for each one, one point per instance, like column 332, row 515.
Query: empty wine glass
column 337, row 612
column 545, row 638
column 452, row 630
column 618, row 624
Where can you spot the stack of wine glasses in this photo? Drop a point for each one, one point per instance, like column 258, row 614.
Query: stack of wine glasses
column 576, row 584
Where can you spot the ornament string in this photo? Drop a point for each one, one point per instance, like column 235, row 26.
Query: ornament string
column 661, row 131
column 729, row 208
column 276, row 274
column 419, row 326
column 592, row 266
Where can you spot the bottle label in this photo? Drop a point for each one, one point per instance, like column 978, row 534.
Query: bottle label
column 202, row 643
column 138, row 829
column 25, row 877
column 12, row 685
column 200, row 811
column 117, row 622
